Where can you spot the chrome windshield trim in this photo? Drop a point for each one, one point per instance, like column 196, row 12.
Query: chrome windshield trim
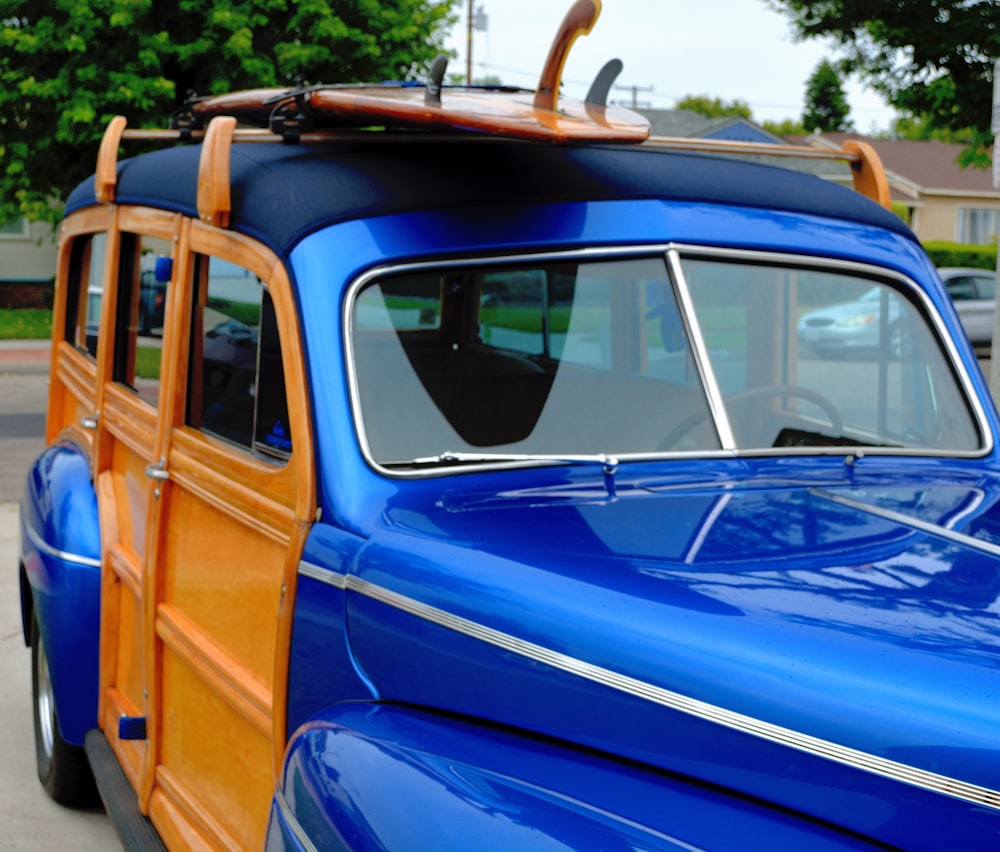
column 674, row 253
column 49, row 550
column 854, row 758
column 868, row 270
column 909, row 521
column 703, row 363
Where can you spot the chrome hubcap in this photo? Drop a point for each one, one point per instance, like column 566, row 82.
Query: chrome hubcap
column 46, row 701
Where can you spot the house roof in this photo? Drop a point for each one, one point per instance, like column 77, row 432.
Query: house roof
column 929, row 166
column 692, row 125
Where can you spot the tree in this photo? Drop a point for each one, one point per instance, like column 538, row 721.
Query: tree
column 928, row 58
column 826, row 107
column 66, row 68
column 785, row 127
column 714, row 107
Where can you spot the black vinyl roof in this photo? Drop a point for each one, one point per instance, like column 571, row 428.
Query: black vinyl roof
column 280, row 193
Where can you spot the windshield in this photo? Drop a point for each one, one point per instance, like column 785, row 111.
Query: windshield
column 561, row 359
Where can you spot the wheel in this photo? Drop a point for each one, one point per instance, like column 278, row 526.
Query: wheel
column 63, row 768
column 688, row 423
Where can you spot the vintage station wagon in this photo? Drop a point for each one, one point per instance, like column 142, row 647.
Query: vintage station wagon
column 485, row 493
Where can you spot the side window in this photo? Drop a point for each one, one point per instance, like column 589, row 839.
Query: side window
column 85, row 291
column 145, row 272
column 961, row 289
column 986, row 286
column 236, row 382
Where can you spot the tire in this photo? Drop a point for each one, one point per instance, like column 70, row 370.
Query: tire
column 63, row 769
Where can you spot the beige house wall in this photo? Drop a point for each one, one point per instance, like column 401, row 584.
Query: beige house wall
column 29, row 255
column 936, row 217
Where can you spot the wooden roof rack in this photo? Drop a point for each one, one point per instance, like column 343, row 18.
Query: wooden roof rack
column 867, row 170
column 330, row 113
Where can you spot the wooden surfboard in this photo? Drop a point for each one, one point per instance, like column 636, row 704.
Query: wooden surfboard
column 497, row 111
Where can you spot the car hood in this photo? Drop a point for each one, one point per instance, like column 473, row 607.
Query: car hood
column 835, row 645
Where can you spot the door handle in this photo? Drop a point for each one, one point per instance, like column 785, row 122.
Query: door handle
column 90, row 422
column 157, row 470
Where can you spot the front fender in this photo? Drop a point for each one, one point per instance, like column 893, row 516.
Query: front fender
column 61, row 580
column 374, row 776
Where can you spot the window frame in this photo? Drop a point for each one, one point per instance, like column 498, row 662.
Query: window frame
column 673, row 253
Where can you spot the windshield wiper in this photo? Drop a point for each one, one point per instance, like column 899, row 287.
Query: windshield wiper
column 450, row 457
column 608, row 463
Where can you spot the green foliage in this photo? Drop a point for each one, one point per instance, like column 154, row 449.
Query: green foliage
column 826, row 104
column 928, row 58
column 959, row 254
column 67, row 68
column 25, row 324
column 785, row 127
column 715, row 107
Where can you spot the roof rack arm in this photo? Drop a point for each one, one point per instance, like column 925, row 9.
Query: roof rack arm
column 579, row 20
column 106, row 176
column 214, row 202
column 868, row 172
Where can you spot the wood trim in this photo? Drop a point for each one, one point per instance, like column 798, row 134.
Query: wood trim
column 229, row 679
column 214, row 204
column 107, row 514
column 128, row 752
column 106, row 174
column 125, row 567
column 233, row 483
column 129, row 419
column 173, row 809
column 283, row 643
column 868, row 172
column 69, row 370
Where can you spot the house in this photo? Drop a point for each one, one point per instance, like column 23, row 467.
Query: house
column 27, row 264
column 943, row 200
column 940, row 200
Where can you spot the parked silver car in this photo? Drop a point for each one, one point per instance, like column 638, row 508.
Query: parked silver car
column 974, row 293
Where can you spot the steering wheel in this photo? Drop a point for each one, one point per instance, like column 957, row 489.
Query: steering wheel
column 692, row 420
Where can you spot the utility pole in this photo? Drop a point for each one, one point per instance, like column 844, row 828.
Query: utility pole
column 635, row 94
column 479, row 20
column 468, row 46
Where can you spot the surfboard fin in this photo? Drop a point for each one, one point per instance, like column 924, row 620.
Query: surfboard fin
column 435, row 79
column 579, row 20
column 605, row 79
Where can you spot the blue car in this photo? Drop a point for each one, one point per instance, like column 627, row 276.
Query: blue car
column 483, row 493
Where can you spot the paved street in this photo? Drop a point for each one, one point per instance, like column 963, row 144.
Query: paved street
column 29, row 819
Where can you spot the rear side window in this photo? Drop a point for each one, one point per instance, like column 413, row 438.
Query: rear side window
column 236, row 382
column 146, row 270
column 83, row 305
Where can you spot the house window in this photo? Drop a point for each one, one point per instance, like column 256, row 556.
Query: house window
column 977, row 225
column 16, row 230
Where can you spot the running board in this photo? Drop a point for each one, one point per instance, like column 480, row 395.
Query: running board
column 134, row 829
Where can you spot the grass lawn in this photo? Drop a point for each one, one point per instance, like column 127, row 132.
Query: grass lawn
column 25, row 324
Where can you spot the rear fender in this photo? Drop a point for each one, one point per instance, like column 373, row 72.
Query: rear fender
column 368, row 776
column 61, row 580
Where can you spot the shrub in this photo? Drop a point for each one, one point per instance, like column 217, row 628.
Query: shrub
column 958, row 254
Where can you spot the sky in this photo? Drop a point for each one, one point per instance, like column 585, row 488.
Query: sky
column 728, row 49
